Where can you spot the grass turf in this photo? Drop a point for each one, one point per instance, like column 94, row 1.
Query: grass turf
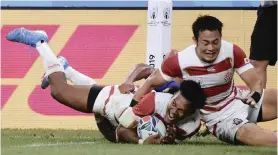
column 86, row 142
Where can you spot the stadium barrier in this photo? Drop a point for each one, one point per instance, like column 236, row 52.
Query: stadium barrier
column 103, row 44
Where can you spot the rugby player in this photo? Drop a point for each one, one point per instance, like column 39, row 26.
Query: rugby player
column 111, row 102
column 212, row 63
column 138, row 72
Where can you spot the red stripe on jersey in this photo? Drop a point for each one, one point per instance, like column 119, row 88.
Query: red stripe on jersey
column 107, row 100
column 212, row 69
column 145, row 106
column 212, row 91
column 215, row 103
column 213, row 109
column 181, row 133
column 239, row 57
column 160, row 117
column 171, row 67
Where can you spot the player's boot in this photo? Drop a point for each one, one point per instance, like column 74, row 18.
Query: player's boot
column 28, row 37
column 64, row 62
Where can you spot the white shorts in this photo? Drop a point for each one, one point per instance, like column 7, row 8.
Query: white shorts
column 226, row 129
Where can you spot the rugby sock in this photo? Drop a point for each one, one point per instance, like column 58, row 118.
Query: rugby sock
column 50, row 61
column 78, row 78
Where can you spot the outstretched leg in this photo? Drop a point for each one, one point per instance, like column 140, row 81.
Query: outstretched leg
column 76, row 98
column 269, row 105
column 251, row 134
column 77, row 78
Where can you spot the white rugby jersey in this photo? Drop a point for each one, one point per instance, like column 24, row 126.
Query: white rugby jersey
column 215, row 78
column 110, row 103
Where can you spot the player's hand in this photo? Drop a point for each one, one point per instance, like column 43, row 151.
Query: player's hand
column 154, row 139
column 252, row 99
column 126, row 88
column 170, row 136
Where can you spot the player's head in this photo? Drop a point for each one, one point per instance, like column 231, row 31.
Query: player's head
column 189, row 97
column 207, row 32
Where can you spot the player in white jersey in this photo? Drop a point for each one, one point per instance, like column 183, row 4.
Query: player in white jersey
column 212, row 63
column 113, row 102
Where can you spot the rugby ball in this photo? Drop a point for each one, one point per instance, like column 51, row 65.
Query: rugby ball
column 150, row 125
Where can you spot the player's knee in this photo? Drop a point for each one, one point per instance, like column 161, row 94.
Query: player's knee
column 270, row 97
column 243, row 133
column 251, row 134
column 55, row 93
column 58, row 92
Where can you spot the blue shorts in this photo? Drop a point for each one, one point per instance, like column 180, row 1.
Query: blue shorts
column 167, row 85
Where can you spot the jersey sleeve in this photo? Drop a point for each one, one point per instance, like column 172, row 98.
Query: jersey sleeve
column 187, row 131
column 241, row 62
column 188, row 127
column 145, row 106
column 170, row 67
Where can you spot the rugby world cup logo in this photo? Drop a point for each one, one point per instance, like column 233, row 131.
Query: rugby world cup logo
column 167, row 17
column 166, row 13
column 153, row 15
column 153, row 12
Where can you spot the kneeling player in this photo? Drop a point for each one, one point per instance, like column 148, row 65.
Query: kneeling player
column 110, row 101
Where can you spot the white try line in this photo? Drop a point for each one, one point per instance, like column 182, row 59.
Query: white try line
column 53, row 144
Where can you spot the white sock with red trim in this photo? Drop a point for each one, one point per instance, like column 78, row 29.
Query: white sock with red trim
column 50, row 61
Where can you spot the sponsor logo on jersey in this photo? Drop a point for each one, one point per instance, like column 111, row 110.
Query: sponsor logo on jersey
column 211, row 69
column 246, row 60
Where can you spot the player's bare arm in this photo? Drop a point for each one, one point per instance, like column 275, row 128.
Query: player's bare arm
column 169, row 69
column 139, row 72
column 250, row 77
column 248, row 74
column 155, row 79
column 252, row 80
column 143, row 71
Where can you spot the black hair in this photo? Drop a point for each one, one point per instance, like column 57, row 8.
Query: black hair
column 206, row 22
column 193, row 92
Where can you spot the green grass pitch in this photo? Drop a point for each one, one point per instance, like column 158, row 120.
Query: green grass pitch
column 86, row 142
